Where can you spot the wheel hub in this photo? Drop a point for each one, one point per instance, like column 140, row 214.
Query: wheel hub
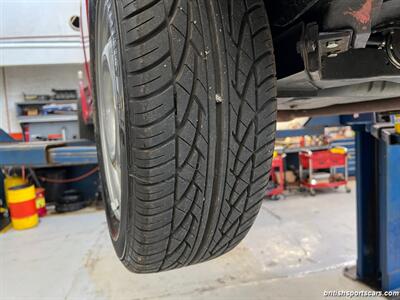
column 109, row 97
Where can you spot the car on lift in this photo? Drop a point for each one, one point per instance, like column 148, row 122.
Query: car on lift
column 186, row 98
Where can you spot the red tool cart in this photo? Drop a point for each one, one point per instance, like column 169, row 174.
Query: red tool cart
column 318, row 161
column 277, row 180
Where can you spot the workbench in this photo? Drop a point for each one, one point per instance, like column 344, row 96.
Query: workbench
column 76, row 157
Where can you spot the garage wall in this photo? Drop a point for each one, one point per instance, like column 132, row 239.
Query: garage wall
column 32, row 80
column 30, row 28
column 38, row 51
column 3, row 108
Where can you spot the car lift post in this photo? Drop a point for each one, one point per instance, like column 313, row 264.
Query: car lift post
column 378, row 205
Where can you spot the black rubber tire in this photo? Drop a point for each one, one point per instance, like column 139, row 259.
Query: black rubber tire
column 71, row 192
column 196, row 170
column 70, row 207
column 67, row 199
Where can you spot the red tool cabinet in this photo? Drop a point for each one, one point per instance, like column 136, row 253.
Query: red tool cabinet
column 316, row 161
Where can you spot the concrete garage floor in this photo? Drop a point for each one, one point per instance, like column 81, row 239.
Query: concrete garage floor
column 296, row 250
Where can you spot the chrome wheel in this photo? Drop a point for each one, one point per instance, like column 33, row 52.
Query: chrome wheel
column 109, row 108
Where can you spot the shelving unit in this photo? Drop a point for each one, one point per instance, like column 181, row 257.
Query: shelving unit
column 42, row 126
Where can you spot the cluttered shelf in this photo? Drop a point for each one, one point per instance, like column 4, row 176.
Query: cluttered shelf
column 60, row 102
column 61, row 106
column 51, row 116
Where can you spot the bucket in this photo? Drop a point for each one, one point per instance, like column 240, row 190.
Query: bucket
column 40, row 202
column 22, row 206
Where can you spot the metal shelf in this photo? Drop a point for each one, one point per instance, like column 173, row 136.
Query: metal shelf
column 47, row 118
column 45, row 102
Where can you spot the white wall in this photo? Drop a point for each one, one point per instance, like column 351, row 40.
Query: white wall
column 38, row 51
column 38, row 32
column 38, row 17
column 32, row 80
column 3, row 108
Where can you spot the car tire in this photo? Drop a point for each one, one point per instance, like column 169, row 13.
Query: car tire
column 69, row 199
column 194, row 91
column 70, row 207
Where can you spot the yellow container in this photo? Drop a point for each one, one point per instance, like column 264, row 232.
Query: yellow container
column 12, row 181
column 397, row 123
column 22, row 206
column 338, row 150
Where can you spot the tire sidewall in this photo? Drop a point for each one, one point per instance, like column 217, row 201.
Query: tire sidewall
column 119, row 238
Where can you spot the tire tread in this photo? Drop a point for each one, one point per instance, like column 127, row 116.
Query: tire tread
column 171, row 90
